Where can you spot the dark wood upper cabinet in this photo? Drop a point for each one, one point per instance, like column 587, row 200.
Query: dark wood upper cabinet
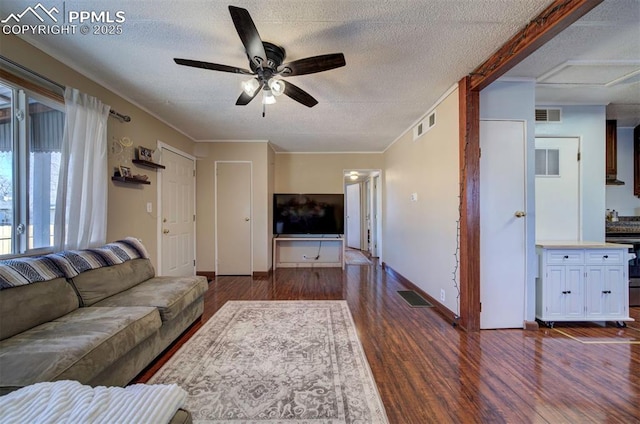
column 611, row 153
column 612, row 150
column 636, row 161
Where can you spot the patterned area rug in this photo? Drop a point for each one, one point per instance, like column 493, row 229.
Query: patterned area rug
column 355, row 257
column 276, row 362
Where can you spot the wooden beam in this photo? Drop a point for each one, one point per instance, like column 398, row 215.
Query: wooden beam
column 555, row 18
column 469, row 124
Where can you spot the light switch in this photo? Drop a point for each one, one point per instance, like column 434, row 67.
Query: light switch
column 149, row 207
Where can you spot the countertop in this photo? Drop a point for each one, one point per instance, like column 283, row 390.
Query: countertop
column 553, row 244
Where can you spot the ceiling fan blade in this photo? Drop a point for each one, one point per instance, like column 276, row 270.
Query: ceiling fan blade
column 312, row 65
column 212, row 66
column 299, row 95
column 248, row 34
column 244, row 98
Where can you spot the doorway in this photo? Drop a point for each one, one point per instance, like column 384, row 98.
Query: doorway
column 368, row 202
column 558, row 211
column 176, row 189
column 233, row 224
column 354, row 222
column 503, row 221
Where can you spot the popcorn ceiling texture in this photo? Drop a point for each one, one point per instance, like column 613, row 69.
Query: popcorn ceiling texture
column 401, row 58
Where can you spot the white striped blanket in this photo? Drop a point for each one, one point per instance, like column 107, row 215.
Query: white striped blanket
column 71, row 402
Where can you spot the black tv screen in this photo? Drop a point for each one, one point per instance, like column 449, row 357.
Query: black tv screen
column 308, row 214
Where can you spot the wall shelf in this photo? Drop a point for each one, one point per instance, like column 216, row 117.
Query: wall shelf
column 129, row 180
column 148, row 164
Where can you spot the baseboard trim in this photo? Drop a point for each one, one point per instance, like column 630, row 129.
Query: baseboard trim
column 531, row 326
column 443, row 310
column 262, row 274
column 210, row 275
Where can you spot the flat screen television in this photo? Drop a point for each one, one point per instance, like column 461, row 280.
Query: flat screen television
column 308, row 213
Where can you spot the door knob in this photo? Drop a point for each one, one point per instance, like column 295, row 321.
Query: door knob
column 165, row 231
column 246, row 219
column 520, row 214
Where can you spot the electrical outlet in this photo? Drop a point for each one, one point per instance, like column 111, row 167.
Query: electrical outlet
column 414, row 197
column 442, row 295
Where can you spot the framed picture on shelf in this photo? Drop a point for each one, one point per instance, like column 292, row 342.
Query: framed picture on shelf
column 144, row 154
column 125, row 171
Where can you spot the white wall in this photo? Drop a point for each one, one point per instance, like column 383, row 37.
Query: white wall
column 621, row 198
column 515, row 100
column 588, row 123
column 419, row 238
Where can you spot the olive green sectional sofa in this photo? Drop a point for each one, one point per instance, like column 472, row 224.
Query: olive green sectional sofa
column 98, row 316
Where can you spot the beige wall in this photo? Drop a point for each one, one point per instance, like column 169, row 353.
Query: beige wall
column 419, row 238
column 258, row 153
column 319, row 173
column 127, row 214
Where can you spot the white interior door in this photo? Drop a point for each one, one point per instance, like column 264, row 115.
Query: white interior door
column 177, row 212
column 377, row 217
column 353, row 216
column 367, row 220
column 233, row 218
column 557, row 189
column 502, row 235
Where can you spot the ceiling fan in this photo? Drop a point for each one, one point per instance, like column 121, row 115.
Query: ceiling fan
column 267, row 69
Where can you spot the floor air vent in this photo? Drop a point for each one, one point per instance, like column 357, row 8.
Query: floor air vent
column 414, row 299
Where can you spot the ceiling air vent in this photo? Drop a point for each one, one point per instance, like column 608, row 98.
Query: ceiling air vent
column 548, row 115
column 424, row 125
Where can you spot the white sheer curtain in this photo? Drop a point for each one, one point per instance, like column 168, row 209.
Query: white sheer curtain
column 81, row 212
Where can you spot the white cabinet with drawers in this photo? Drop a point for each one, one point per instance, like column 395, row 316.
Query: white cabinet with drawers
column 582, row 281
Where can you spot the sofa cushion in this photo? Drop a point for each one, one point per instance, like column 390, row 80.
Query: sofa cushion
column 171, row 295
column 76, row 346
column 27, row 306
column 98, row 284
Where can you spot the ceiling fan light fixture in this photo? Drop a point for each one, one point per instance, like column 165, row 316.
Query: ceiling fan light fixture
column 276, row 86
column 267, row 97
column 250, row 86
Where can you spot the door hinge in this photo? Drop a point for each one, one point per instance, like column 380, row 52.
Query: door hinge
column 194, row 172
column 480, row 306
column 194, row 217
column 579, row 156
column 479, row 152
column 194, row 262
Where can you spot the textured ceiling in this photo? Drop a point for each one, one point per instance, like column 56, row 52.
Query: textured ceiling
column 401, row 56
column 594, row 61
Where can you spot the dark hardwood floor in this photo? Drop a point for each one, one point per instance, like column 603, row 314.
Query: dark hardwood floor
column 429, row 371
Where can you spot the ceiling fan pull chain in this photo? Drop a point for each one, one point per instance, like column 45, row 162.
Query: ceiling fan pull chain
column 263, row 109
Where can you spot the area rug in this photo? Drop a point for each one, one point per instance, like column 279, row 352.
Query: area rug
column 355, row 257
column 276, row 362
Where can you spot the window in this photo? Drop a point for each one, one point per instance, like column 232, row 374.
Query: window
column 547, row 162
column 31, row 129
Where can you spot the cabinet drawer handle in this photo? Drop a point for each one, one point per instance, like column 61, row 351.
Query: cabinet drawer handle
column 605, row 257
column 606, row 291
column 566, row 256
column 566, row 292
